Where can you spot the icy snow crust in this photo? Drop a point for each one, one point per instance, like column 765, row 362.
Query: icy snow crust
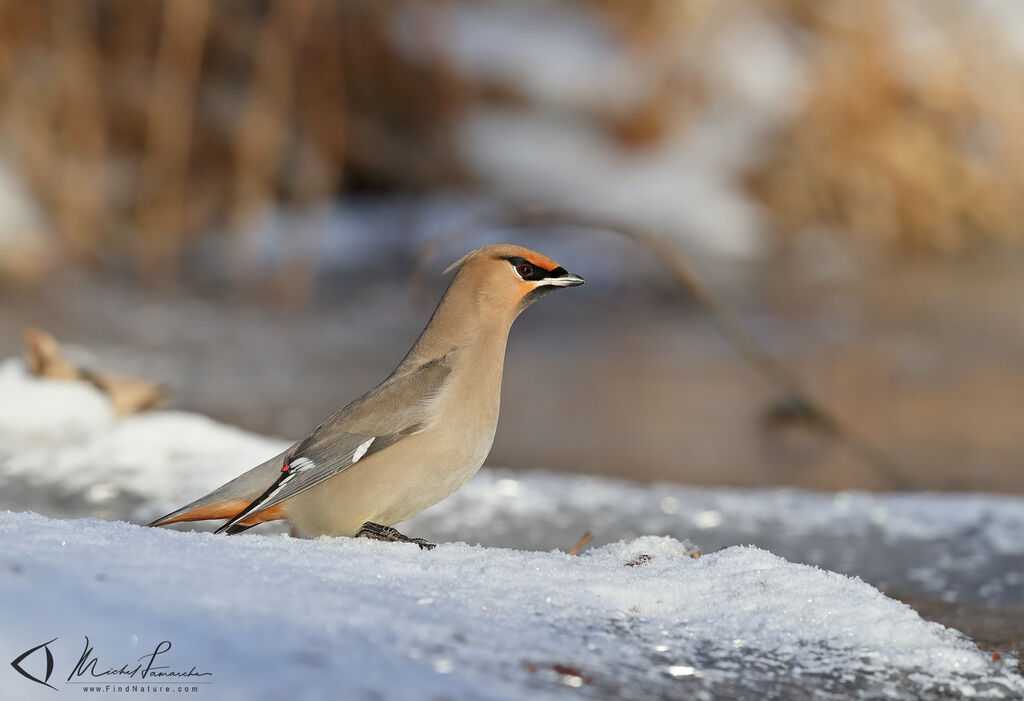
column 958, row 547
column 272, row 616
column 275, row 617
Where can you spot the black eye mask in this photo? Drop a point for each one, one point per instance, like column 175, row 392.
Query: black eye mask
column 536, row 273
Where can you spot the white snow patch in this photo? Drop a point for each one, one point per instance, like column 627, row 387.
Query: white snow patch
column 561, row 55
column 36, row 412
column 347, row 618
column 680, row 188
column 62, row 436
column 958, row 547
column 169, row 458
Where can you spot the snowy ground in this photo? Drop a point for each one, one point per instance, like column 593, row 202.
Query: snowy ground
column 269, row 615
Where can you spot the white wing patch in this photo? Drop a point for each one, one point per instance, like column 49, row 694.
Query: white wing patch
column 361, row 450
column 291, row 469
column 301, row 465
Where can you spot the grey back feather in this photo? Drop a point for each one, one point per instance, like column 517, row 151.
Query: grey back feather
column 396, row 409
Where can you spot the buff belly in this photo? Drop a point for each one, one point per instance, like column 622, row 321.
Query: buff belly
column 388, row 487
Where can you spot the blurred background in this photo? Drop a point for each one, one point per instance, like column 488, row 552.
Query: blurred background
column 232, row 198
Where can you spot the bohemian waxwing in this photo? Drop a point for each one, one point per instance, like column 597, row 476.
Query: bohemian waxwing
column 414, row 439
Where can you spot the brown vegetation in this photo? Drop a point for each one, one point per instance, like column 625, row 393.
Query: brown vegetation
column 141, row 125
column 915, row 148
column 127, row 395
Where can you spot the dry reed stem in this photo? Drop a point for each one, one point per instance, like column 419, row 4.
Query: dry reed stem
column 263, row 129
column 318, row 172
column 33, row 147
column 169, row 130
column 909, row 146
column 26, row 113
column 920, row 159
column 77, row 112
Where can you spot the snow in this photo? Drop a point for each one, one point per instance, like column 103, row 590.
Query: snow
column 957, row 547
column 562, row 56
column 168, row 457
column 62, row 434
column 33, row 412
column 269, row 615
column 574, row 71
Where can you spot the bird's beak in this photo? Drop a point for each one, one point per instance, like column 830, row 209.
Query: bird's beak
column 569, row 280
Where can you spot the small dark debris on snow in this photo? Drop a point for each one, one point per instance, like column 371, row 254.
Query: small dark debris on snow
column 570, row 671
column 641, row 560
column 565, row 670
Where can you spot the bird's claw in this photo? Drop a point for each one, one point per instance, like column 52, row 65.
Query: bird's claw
column 390, row 535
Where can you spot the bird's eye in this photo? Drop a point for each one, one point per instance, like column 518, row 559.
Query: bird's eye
column 525, row 270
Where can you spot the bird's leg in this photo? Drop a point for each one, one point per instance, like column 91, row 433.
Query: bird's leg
column 390, row 535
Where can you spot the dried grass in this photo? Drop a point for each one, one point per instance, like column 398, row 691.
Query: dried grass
column 913, row 149
column 140, row 125
column 909, row 144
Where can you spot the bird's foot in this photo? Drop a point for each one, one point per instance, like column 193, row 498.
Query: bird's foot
column 390, row 535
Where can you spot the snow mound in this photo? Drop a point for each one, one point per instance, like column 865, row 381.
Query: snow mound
column 955, row 547
column 167, row 458
column 34, row 411
column 271, row 617
column 62, row 436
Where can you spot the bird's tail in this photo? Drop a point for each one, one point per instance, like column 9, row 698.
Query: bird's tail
column 221, row 509
column 200, row 511
column 230, row 500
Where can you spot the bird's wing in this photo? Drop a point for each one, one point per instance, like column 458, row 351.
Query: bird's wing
column 398, row 408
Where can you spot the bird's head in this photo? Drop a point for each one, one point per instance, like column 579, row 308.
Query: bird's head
column 510, row 277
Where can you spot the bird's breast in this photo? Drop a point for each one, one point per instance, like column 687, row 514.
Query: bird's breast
column 424, row 468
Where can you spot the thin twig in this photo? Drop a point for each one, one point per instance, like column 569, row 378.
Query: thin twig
column 581, row 543
column 723, row 315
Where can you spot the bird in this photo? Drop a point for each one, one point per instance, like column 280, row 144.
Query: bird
column 415, row 438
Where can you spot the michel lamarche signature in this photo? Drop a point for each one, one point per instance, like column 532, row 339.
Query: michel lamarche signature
column 90, row 668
